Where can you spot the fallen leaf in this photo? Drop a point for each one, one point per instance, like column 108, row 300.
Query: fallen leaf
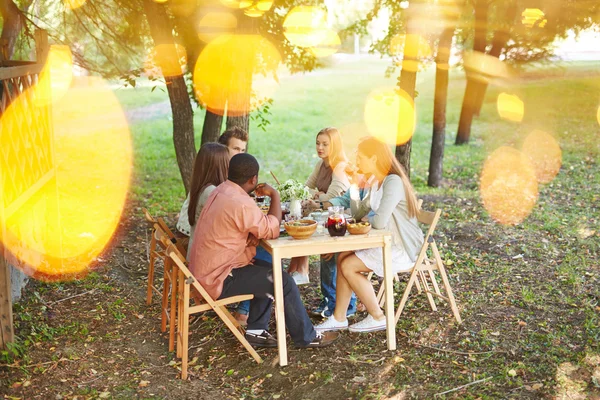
column 104, row 395
column 26, row 383
column 537, row 386
column 359, row 379
column 512, row 372
column 283, row 373
column 144, row 383
column 276, row 396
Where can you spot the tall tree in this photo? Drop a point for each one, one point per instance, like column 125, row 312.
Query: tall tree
column 161, row 30
column 13, row 23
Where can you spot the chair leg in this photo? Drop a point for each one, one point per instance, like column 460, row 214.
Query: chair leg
column 411, row 281
column 450, row 294
column 151, row 270
column 427, row 290
column 173, row 310
column 180, row 316
column 222, row 313
column 185, row 331
column 165, row 295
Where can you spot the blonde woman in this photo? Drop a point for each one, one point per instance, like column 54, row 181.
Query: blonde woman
column 394, row 207
column 328, row 180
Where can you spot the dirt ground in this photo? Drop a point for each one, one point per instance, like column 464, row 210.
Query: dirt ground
column 96, row 338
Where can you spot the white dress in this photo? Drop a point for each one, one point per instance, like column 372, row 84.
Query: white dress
column 373, row 258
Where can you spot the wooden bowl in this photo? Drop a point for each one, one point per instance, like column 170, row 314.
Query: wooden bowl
column 301, row 229
column 359, row 228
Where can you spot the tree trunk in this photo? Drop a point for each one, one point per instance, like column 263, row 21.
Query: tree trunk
column 13, row 23
column 474, row 87
column 499, row 41
column 436, row 159
column 407, row 82
column 242, row 121
column 211, row 130
column 183, row 119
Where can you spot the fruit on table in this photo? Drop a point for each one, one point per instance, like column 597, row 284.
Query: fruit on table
column 359, row 224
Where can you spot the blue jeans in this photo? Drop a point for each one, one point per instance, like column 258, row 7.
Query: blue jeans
column 261, row 254
column 328, row 283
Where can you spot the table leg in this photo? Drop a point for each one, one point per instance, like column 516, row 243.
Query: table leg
column 388, row 279
column 279, row 308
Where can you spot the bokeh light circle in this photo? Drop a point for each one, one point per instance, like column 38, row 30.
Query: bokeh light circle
column 237, row 3
column 531, row 17
column 330, row 44
column 413, row 48
column 508, row 186
column 56, row 76
column 64, row 185
column 236, row 73
column 74, row 4
column 168, row 59
column 545, row 154
column 214, row 24
column 598, row 115
column 258, row 8
column 390, row 115
column 483, row 67
column 510, row 107
column 305, row 26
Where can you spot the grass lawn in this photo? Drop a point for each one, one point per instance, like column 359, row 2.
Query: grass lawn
column 528, row 294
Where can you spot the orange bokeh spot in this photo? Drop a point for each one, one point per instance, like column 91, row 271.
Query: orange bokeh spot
column 56, row 77
column 170, row 59
column 237, row 3
column 390, row 116
column 214, row 24
column 598, row 115
column 533, row 17
column 508, row 186
column 259, row 8
column 329, row 45
column 63, row 185
column 305, row 26
column 510, row 107
column 545, row 154
column 483, row 67
column 236, row 73
column 73, row 4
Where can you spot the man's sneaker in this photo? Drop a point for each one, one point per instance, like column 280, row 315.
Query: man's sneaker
column 368, row 324
column 331, row 324
column 265, row 339
column 325, row 312
column 299, row 278
column 322, row 339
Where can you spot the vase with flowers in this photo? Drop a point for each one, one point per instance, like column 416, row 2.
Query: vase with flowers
column 294, row 192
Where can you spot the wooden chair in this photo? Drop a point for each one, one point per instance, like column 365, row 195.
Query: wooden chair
column 188, row 286
column 157, row 253
column 425, row 267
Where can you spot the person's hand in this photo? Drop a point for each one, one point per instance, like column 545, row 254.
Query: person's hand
column 310, row 205
column 327, row 257
column 252, row 240
column 317, row 195
column 264, row 189
column 364, row 219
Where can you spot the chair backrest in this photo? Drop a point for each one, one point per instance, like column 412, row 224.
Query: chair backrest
column 149, row 218
column 427, row 218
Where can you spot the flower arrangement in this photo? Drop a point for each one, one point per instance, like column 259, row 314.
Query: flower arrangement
column 293, row 190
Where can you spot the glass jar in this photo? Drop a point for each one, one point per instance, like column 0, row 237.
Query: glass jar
column 336, row 223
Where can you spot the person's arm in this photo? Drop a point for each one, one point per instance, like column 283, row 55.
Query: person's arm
column 311, row 182
column 339, row 183
column 393, row 193
column 266, row 226
column 343, row 201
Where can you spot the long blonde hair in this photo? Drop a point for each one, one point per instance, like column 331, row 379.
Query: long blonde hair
column 388, row 165
column 336, row 152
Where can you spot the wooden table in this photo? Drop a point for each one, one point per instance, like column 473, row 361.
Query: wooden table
column 288, row 247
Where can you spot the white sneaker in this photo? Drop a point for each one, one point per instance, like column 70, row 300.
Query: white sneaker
column 299, row 278
column 331, row 324
column 368, row 324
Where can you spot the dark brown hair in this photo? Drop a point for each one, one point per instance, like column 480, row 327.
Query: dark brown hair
column 235, row 132
column 388, row 165
column 210, row 168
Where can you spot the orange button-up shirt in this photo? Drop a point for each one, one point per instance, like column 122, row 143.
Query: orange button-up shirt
column 220, row 236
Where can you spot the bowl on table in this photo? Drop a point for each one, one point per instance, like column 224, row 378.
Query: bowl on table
column 359, row 228
column 301, row 229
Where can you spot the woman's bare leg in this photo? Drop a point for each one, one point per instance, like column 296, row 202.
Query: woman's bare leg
column 351, row 270
column 299, row 264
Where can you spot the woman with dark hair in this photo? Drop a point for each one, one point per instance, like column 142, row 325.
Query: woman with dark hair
column 394, row 208
column 210, row 170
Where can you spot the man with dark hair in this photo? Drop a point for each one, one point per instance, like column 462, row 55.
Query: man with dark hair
column 236, row 140
column 228, row 231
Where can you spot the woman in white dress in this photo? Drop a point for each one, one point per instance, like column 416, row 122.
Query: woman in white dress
column 394, row 207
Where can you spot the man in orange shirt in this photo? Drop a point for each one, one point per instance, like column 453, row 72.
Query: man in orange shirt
column 227, row 232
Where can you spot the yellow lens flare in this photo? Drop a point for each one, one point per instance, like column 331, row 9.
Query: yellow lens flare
column 168, row 59
column 63, row 187
column 259, row 8
column 214, row 24
column 508, row 186
column 56, row 77
column 351, row 134
column 330, row 45
column 236, row 74
column 533, row 17
column 237, row 3
column 305, row 26
column 413, row 48
column 390, row 115
column 73, row 4
column 545, row 154
column 484, row 67
column 598, row 115
column 510, row 107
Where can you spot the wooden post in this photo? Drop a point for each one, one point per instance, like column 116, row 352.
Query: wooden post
column 41, row 46
column 7, row 333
